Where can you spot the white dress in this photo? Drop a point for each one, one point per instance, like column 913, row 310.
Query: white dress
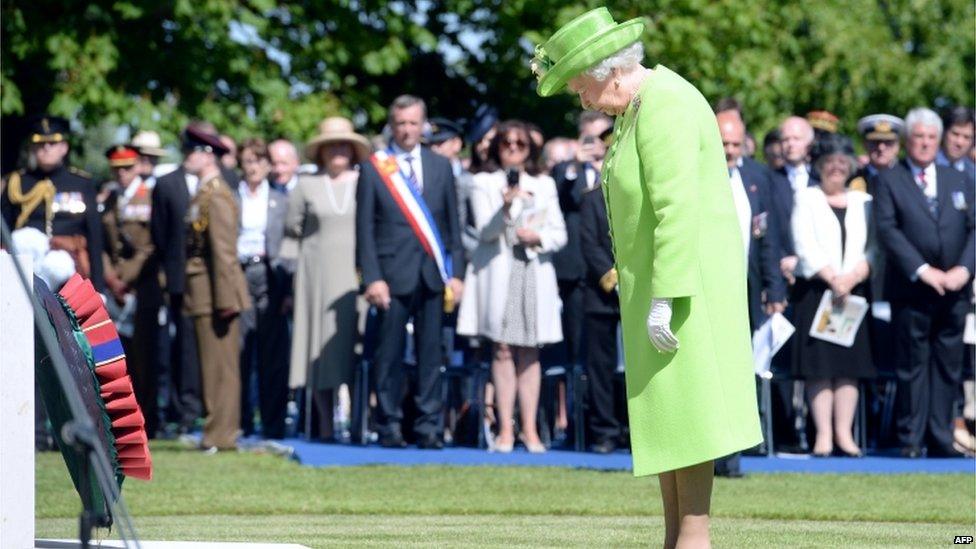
column 490, row 300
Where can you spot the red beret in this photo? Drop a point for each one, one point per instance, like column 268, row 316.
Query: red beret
column 121, row 156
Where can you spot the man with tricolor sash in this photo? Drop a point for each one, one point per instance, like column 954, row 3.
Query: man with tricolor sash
column 409, row 255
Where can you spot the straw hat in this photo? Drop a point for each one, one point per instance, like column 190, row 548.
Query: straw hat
column 337, row 129
column 149, row 144
column 580, row 44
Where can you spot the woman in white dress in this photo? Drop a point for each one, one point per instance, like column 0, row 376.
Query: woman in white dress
column 321, row 218
column 510, row 291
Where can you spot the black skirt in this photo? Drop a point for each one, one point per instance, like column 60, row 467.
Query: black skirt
column 818, row 359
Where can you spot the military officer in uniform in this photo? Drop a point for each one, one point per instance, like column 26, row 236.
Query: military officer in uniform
column 215, row 292
column 132, row 274
column 56, row 199
column 881, row 133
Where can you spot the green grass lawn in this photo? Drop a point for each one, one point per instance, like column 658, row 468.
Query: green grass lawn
column 248, row 497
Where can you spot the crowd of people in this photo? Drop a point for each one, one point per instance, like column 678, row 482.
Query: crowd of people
column 248, row 285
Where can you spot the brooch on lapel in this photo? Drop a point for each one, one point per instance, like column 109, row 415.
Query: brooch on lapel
column 959, row 200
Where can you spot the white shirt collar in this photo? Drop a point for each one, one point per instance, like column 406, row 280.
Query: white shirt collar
column 802, row 168
column 264, row 188
column 929, row 170
column 399, row 151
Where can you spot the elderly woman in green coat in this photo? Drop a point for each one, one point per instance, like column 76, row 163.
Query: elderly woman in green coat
column 682, row 277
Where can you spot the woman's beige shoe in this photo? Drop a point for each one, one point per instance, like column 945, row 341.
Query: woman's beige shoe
column 537, row 448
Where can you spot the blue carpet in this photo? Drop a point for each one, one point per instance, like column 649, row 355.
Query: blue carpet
column 339, row 455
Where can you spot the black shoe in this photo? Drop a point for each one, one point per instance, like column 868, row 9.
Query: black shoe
column 839, row 452
column 392, row 441
column 939, row 452
column 430, row 442
column 605, row 446
column 911, row 452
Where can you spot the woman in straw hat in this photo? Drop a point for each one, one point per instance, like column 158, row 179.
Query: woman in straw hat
column 690, row 388
column 321, row 218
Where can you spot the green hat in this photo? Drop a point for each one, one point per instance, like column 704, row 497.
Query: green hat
column 581, row 43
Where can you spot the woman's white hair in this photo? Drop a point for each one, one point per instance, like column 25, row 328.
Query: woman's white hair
column 625, row 59
column 923, row 116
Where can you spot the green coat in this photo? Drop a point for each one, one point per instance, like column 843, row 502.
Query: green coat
column 675, row 235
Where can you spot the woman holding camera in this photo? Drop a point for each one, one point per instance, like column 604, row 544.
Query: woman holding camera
column 510, row 294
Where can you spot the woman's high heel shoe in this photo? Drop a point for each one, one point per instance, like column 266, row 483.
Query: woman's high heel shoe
column 844, row 453
column 533, row 447
column 503, row 447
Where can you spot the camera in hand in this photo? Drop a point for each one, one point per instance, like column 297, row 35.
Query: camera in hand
column 513, row 177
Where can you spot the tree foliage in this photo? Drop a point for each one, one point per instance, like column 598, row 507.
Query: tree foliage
column 277, row 68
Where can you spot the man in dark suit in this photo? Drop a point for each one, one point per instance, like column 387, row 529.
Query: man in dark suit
column 602, row 306
column 750, row 186
column 797, row 140
column 925, row 221
column 573, row 179
column 401, row 279
column 171, row 199
column 750, row 193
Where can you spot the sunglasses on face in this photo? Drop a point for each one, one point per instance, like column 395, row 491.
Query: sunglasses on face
column 517, row 144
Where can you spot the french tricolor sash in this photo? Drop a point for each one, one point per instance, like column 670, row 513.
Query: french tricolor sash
column 413, row 207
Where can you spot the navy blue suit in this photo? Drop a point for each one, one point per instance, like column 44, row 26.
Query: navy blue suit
column 764, row 252
column 928, row 327
column 387, row 249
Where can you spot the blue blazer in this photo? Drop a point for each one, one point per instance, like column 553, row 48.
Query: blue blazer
column 387, row 248
column 912, row 236
column 764, row 251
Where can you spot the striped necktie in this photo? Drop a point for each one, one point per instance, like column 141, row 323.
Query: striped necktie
column 933, row 201
column 412, row 176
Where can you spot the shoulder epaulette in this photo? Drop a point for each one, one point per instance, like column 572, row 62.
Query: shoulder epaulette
column 80, row 173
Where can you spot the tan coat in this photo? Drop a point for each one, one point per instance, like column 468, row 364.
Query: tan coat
column 214, row 279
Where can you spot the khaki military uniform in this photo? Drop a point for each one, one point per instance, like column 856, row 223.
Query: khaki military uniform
column 215, row 284
column 131, row 268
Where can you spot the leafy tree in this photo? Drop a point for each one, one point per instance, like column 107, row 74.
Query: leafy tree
column 277, row 68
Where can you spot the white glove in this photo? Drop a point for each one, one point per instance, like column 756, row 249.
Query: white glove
column 659, row 326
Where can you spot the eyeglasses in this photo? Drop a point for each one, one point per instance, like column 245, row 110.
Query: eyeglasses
column 518, row 144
